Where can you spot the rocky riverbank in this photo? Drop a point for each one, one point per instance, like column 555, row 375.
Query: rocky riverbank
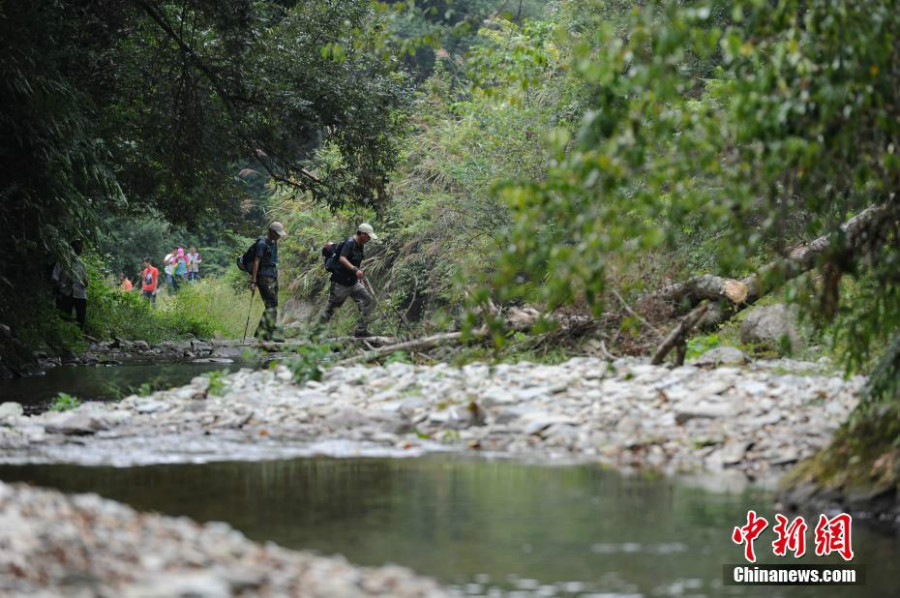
column 53, row 544
column 755, row 420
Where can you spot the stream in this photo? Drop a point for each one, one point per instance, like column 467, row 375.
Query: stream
column 497, row 528
column 486, row 528
column 104, row 382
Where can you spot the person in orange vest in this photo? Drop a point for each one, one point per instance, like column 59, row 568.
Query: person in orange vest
column 149, row 280
column 125, row 283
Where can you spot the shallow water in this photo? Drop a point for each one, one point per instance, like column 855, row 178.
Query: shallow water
column 489, row 528
column 102, row 383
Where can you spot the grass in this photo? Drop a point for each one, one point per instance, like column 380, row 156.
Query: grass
column 64, row 402
column 216, row 303
column 119, row 392
column 217, row 385
column 212, row 307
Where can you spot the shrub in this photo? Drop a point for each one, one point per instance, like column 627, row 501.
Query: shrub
column 207, row 308
column 64, row 402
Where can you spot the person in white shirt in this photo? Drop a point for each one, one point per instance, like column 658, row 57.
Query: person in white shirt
column 193, row 264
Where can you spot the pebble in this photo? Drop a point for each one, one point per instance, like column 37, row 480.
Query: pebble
column 11, row 409
column 755, row 419
column 86, row 546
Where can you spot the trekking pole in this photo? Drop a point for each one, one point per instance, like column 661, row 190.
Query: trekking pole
column 400, row 317
column 368, row 285
column 249, row 311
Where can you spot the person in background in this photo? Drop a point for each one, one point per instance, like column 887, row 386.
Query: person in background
column 71, row 286
column 264, row 276
column 180, row 267
column 193, row 264
column 169, row 269
column 149, row 279
column 125, row 283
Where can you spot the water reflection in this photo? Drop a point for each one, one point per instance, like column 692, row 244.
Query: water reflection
column 93, row 383
column 489, row 528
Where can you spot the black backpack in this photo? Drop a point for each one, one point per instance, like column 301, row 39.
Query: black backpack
column 245, row 262
column 331, row 253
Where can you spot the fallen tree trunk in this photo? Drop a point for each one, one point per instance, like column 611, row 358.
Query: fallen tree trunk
column 419, row 344
column 852, row 235
column 277, row 346
column 706, row 286
column 748, row 290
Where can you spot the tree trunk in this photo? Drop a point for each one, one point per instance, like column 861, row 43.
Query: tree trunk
column 740, row 293
column 418, row 344
column 851, row 237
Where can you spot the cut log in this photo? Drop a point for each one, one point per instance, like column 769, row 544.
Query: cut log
column 735, row 290
column 705, row 286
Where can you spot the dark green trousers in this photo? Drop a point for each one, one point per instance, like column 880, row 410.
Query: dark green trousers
column 268, row 292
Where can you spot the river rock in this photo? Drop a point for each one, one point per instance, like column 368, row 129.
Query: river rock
column 201, row 347
column 212, row 360
column 295, row 311
column 685, row 413
column 150, row 406
column 536, row 421
column 78, row 425
column 772, row 327
column 86, row 546
column 194, row 584
column 522, row 318
column 498, row 396
column 722, row 356
column 11, row 410
column 733, row 452
column 698, row 418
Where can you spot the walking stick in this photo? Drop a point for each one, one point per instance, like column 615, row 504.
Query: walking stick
column 400, row 317
column 249, row 311
column 368, row 286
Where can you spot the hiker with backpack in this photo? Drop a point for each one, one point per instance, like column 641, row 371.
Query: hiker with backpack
column 261, row 262
column 343, row 260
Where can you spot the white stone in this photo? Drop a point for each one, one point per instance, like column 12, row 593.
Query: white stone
column 11, row 410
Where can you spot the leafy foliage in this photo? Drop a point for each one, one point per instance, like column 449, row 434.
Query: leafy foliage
column 147, row 107
column 217, row 385
column 788, row 131
column 441, row 230
column 64, row 402
column 307, row 362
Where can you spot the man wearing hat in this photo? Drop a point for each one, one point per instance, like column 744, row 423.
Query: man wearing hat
column 264, row 276
column 346, row 279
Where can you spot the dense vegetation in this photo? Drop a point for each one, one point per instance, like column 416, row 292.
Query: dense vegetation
column 555, row 154
column 119, row 112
